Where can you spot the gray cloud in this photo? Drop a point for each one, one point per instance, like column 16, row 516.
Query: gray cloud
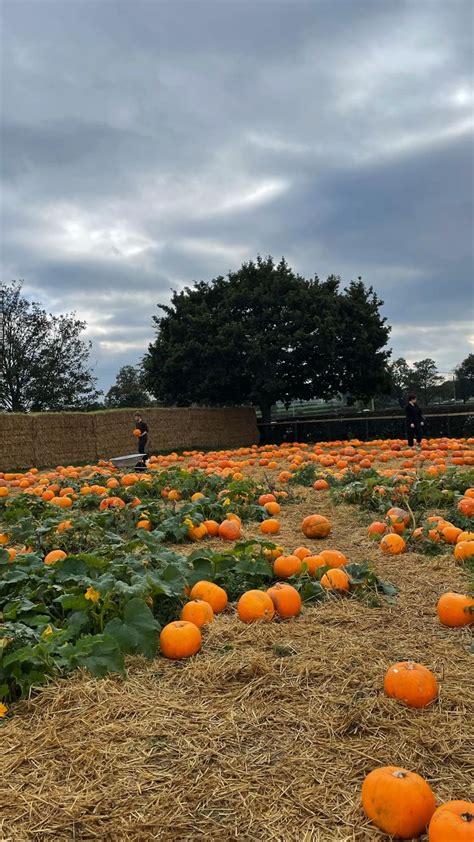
column 147, row 145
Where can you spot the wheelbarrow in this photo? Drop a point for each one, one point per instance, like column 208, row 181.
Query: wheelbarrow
column 135, row 460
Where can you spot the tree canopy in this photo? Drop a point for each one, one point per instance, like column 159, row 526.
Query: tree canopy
column 129, row 389
column 43, row 360
column 265, row 334
column 464, row 375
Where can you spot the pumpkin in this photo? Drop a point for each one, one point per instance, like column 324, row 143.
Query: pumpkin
column 336, row 580
column 255, row 605
column 376, row 528
column 271, row 526
column 316, row 526
column 137, row 433
column 180, row 639
column 211, row 593
column 397, row 801
column 301, row 552
column 286, row 600
column 392, row 544
column 463, row 550
column 197, row 533
column 333, row 558
column 272, row 508
column 411, row 683
column 455, row 609
column 198, row 612
column 452, row 822
column 54, row 556
column 313, row 563
column 212, row 528
column 266, row 498
column 466, row 506
column 320, row 485
column 230, row 530
column 287, row 565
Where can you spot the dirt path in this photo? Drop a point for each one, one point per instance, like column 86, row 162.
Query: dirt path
column 267, row 735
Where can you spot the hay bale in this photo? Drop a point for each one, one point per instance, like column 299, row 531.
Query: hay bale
column 17, row 445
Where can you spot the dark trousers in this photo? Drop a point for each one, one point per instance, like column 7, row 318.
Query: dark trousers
column 414, row 432
column 142, row 444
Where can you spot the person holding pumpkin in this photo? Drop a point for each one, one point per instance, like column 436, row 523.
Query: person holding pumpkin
column 143, row 436
column 415, row 421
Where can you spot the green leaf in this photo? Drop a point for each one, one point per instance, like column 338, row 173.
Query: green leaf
column 99, row 654
column 137, row 633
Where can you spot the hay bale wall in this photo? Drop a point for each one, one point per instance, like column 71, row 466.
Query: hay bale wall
column 54, row 438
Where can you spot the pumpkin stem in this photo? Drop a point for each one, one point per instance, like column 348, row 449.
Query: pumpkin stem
column 467, row 817
column 399, row 774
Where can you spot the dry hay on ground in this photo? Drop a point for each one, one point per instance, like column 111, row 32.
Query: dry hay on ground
column 266, row 735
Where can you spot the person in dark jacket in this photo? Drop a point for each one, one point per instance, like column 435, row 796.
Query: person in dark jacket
column 415, row 421
column 143, row 427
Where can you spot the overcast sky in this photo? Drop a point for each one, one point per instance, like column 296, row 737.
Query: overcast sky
column 149, row 144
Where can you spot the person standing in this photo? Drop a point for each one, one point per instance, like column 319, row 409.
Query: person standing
column 415, row 421
column 143, row 427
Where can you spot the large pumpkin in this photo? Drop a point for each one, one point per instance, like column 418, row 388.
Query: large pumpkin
column 211, row 593
column 397, row 801
column 316, row 526
column 455, row 609
column 180, row 639
column 411, row 683
column 452, row 822
column 286, row 600
column 255, row 605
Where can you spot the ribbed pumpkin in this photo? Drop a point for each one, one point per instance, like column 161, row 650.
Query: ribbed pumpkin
column 397, row 801
column 411, row 683
column 455, row 609
column 255, row 605
column 336, row 580
column 316, row 526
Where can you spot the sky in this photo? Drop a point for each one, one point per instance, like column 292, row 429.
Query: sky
column 147, row 145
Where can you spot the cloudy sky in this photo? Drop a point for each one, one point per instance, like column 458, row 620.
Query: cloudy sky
column 149, row 144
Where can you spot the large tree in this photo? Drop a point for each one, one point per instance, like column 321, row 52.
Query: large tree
column 464, row 381
column 265, row 334
column 399, row 372
column 129, row 389
column 43, row 358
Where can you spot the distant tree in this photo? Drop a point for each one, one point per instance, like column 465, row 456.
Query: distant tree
column 464, row 378
column 43, row 359
column 129, row 389
column 424, row 378
column 266, row 334
column 399, row 372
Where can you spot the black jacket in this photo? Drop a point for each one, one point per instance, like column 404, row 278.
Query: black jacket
column 413, row 414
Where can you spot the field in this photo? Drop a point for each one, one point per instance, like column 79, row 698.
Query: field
column 270, row 730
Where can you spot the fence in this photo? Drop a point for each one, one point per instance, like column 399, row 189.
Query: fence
column 54, row 438
column 364, row 427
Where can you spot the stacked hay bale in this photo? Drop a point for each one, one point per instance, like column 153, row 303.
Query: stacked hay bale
column 17, row 446
column 64, row 438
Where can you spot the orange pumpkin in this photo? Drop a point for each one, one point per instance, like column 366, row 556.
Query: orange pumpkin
column 54, row 556
column 452, row 822
column 211, row 593
column 180, row 639
column 287, row 565
column 266, row 498
column 316, row 526
column 376, row 528
column 271, row 526
column 320, row 485
column 198, row 611
column 212, row 528
column 466, row 506
column 455, row 609
column 286, row 600
column 392, row 544
column 464, row 550
column 336, row 580
column 333, row 558
column 411, row 683
column 397, row 801
column 398, row 518
column 229, row 530
column 313, row 563
column 301, row 552
column 255, row 605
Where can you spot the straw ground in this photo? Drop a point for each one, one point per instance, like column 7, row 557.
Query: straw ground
column 266, row 735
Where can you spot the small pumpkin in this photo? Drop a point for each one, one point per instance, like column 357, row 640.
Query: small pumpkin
column 230, row 530
column 392, row 544
column 54, row 556
column 464, row 550
column 255, row 605
column 313, row 563
column 455, row 609
column 180, row 639
column 316, row 526
column 286, row 600
column 270, row 526
column 287, row 565
column 452, row 822
column 333, row 558
column 397, row 801
column 211, row 593
column 197, row 611
column 411, row 683
column 336, row 580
